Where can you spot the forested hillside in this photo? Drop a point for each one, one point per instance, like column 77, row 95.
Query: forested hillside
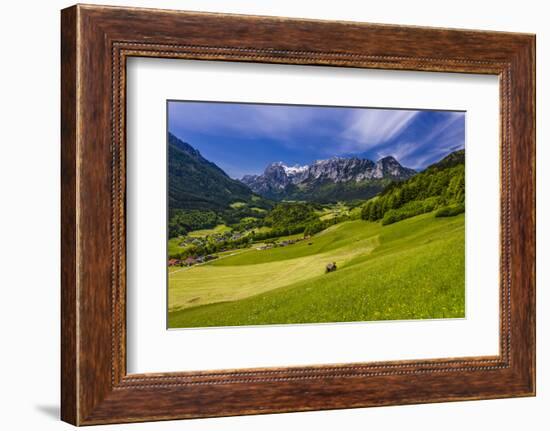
column 441, row 186
column 202, row 196
column 195, row 183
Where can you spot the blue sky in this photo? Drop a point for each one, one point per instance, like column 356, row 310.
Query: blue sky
column 244, row 138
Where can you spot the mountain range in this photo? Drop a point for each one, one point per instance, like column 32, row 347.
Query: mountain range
column 197, row 183
column 337, row 178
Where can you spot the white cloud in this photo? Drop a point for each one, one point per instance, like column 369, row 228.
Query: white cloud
column 325, row 132
column 442, row 127
column 400, row 151
column 370, row 128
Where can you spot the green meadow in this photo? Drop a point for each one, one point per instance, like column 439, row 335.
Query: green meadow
column 410, row 269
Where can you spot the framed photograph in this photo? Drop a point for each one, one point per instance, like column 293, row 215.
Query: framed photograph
column 252, row 240
column 267, row 215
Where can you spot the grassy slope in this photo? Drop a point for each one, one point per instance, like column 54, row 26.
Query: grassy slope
column 174, row 246
column 244, row 273
column 341, row 237
column 221, row 228
column 174, row 243
column 409, row 270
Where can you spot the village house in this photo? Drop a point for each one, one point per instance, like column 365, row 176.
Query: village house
column 190, row 261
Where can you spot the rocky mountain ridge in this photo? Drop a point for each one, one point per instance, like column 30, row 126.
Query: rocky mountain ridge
column 280, row 181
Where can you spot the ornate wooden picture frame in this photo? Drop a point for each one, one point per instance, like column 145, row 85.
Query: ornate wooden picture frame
column 96, row 41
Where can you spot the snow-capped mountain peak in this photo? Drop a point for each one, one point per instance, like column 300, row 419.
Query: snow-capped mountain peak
column 280, row 180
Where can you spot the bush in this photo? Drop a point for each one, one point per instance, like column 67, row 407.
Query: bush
column 450, row 211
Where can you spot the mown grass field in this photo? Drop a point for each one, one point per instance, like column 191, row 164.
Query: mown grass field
column 413, row 269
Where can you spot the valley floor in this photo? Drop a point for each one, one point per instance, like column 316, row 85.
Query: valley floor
column 413, row 269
